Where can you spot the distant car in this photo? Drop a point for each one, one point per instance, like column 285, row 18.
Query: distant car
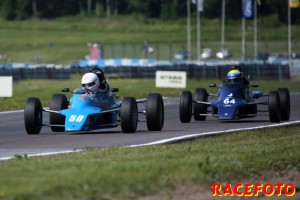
column 207, row 53
column 85, row 112
column 231, row 103
column 274, row 57
column 262, row 56
column 295, row 55
column 224, row 54
column 182, row 55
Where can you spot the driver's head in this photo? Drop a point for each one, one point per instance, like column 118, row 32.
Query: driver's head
column 234, row 76
column 90, row 82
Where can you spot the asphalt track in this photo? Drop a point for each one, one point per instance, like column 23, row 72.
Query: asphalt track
column 15, row 141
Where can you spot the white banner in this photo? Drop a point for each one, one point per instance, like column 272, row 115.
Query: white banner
column 248, row 8
column 200, row 5
column 170, row 79
column 6, row 86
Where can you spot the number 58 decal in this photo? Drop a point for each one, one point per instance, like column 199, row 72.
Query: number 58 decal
column 76, row 118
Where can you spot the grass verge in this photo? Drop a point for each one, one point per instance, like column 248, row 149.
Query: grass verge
column 123, row 172
column 65, row 39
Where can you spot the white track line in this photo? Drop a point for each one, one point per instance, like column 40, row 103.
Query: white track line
column 42, row 154
column 8, row 112
column 197, row 135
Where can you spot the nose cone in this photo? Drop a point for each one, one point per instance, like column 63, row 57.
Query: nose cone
column 227, row 113
column 75, row 121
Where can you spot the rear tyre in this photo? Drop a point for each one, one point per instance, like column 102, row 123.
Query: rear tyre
column 199, row 108
column 185, row 107
column 58, row 102
column 33, row 116
column 129, row 115
column 155, row 112
column 285, row 105
column 274, row 106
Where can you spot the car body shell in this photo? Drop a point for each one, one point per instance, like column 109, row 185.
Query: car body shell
column 91, row 111
column 233, row 103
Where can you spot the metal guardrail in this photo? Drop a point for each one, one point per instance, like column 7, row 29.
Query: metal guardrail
column 194, row 71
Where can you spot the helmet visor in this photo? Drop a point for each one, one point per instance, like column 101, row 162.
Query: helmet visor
column 89, row 84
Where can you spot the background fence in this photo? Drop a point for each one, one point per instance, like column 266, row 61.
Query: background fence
column 194, row 71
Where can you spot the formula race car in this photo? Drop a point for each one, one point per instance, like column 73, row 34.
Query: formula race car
column 85, row 112
column 233, row 102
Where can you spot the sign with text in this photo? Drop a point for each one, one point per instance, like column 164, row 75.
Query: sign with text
column 170, row 79
column 6, row 86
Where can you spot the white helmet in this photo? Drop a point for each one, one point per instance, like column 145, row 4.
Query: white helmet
column 90, row 81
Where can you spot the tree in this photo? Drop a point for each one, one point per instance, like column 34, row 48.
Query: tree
column 8, row 9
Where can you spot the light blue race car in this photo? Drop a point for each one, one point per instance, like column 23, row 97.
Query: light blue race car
column 86, row 112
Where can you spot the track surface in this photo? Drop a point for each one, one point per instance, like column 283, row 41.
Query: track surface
column 14, row 140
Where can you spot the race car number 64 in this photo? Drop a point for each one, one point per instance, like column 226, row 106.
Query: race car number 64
column 229, row 101
column 76, row 118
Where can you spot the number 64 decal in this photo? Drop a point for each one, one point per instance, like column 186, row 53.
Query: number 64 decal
column 229, row 101
column 75, row 118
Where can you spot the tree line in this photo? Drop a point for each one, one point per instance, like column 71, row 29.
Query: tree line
column 159, row 9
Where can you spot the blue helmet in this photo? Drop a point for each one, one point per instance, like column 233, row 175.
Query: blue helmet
column 234, row 76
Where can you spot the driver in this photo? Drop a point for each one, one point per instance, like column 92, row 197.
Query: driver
column 90, row 82
column 236, row 76
column 94, row 81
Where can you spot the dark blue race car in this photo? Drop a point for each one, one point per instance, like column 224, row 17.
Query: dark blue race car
column 233, row 102
column 85, row 112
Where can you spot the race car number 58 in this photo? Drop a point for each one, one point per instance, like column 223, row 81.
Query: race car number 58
column 76, row 118
column 229, row 101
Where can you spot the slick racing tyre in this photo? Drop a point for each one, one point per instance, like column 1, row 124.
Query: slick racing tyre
column 33, row 116
column 284, row 96
column 129, row 115
column 199, row 108
column 58, row 102
column 185, row 107
column 155, row 112
column 274, row 106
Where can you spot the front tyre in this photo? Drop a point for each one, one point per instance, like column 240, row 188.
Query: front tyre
column 199, row 108
column 155, row 112
column 285, row 105
column 58, row 102
column 274, row 106
column 129, row 115
column 33, row 116
column 185, row 107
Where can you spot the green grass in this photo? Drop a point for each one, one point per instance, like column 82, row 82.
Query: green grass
column 123, row 172
column 44, row 89
column 64, row 40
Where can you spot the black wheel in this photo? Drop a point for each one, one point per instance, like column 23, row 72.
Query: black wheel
column 199, row 108
column 274, row 106
column 155, row 112
column 58, row 102
column 33, row 116
column 185, row 107
column 129, row 115
column 285, row 105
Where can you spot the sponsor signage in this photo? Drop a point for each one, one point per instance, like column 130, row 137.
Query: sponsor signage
column 170, row 79
column 6, row 86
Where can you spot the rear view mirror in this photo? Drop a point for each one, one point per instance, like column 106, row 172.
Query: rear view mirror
column 65, row 90
column 114, row 89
